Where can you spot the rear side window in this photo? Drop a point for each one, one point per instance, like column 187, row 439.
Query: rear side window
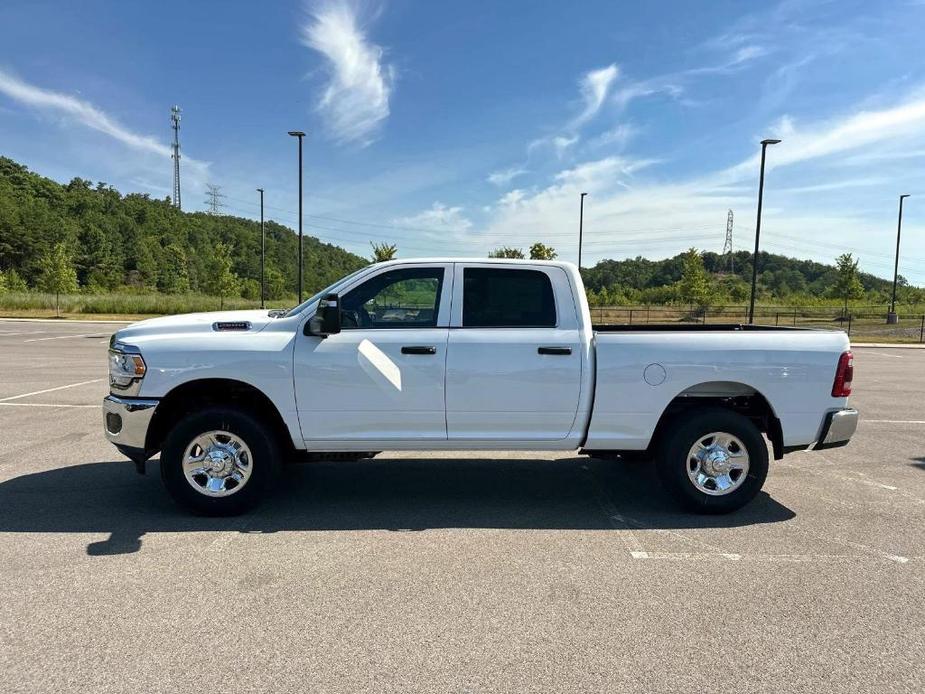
column 506, row 298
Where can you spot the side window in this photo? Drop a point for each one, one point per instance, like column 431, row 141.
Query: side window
column 507, row 298
column 401, row 298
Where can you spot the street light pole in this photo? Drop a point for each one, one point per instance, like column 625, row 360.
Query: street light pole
column 891, row 316
column 263, row 255
column 299, row 134
column 751, row 303
column 581, row 224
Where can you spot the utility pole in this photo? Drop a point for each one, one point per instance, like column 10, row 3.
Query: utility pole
column 581, row 224
column 214, row 198
column 751, row 304
column 175, row 124
column 891, row 317
column 727, row 246
column 263, row 255
column 299, row 134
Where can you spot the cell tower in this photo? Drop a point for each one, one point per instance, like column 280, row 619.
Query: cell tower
column 214, row 198
column 175, row 124
column 727, row 247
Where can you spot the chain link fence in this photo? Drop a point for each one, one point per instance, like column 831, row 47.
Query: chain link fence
column 862, row 323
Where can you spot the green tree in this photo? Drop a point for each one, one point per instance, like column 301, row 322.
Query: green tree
column 221, row 279
column 507, row 252
column 146, row 262
column 15, row 282
column 847, row 283
column 694, row 285
column 57, row 274
column 276, row 284
column 383, row 251
column 540, row 251
column 173, row 276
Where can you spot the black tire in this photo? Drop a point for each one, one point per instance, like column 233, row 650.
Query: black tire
column 264, row 466
column 681, row 435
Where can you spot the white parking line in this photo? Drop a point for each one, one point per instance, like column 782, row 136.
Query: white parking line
column 40, row 404
column 58, row 337
column 707, row 556
column 50, row 390
column 893, row 421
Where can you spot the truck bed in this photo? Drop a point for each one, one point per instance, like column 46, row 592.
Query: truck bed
column 690, row 327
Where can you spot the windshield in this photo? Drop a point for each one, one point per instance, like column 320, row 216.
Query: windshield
column 327, row 290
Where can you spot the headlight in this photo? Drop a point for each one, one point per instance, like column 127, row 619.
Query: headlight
column 126, row 366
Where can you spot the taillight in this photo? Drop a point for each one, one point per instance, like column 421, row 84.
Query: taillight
column 844, row 374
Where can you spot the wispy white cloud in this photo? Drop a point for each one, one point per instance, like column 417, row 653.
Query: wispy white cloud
column 619, row 135
column 355, row 100
column 848, row 133
column 505, row 176
column 77, row 110
column 438, row 218
column 559, row 144
column 674, row 84
column 636, row 90
column 594, row 86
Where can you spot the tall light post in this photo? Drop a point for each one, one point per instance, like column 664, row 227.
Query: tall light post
column 299, row 134
column 263, row 255
column 751, row 303
column 891, row 317
column 581, row 224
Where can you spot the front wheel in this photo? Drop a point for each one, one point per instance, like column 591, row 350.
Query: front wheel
column 219, row 461
column 714, row 461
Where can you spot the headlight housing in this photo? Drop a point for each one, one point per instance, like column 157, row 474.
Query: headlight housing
column 126, row 368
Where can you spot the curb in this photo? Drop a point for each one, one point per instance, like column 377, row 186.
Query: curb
column 65, row 321
column 887, row 345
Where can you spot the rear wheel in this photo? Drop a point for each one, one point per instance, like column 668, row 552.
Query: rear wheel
column 219, row 462
column 714, row 461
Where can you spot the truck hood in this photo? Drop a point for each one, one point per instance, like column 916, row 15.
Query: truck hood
column 197, row 323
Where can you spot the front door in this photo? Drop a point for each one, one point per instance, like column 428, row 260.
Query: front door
column 381, row 379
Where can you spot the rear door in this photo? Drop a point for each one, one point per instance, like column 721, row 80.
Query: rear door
column 514, row 355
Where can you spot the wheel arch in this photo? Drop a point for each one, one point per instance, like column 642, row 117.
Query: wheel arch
column 225, row 392
column 731, row 395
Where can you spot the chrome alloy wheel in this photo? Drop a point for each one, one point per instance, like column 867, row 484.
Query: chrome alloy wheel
column 217, row 463
column 717, row 464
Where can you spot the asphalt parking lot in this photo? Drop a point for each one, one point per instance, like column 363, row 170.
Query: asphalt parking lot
column 448, row 572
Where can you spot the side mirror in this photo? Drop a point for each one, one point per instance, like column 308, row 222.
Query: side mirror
column 326, row 320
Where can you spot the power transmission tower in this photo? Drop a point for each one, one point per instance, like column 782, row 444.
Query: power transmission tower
column 175, row 124
column 727, row 247
column 214, row 198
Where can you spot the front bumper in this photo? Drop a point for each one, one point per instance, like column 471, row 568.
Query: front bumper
column 125, row 421
column 837, row 429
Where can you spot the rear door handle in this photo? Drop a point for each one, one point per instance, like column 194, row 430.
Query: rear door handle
column 554, row 350
column 418, row 349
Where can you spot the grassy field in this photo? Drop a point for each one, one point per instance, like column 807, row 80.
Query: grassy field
column 120, row 305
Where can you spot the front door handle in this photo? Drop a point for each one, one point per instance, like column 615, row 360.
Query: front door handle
column 418, row 349
column 555, row 350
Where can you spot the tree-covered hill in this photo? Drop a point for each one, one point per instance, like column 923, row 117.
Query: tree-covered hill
column 640, row 280
column 115, row 241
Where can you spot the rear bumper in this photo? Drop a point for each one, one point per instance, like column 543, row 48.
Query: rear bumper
column 125, row 421
column 837, row 429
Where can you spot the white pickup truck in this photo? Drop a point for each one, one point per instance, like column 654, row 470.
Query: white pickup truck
column 441, row 354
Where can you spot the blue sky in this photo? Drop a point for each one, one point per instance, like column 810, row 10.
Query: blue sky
column 452, row 128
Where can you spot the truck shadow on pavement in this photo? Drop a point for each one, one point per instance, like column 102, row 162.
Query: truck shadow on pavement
column 403, row 494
